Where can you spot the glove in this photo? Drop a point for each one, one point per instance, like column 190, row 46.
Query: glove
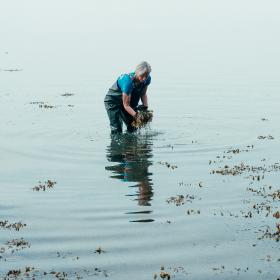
column 141, row 108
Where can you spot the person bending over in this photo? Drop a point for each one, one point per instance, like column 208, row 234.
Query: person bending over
column 121, row 101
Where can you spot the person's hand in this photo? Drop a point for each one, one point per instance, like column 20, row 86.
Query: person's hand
column 136, row 115
column 142, row 108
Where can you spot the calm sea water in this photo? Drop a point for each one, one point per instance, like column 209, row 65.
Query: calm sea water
column 214, row 88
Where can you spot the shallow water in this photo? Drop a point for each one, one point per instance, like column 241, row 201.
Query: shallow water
column 114, row 193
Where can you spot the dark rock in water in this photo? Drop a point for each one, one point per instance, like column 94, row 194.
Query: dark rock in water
column 36, row 102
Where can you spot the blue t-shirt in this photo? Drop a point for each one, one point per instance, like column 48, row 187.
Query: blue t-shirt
column 126, row 85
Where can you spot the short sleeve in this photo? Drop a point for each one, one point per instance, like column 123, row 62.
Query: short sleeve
column 125, row 84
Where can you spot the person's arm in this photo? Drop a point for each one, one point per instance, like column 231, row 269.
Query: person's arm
column 126, row 104
column 144, row 97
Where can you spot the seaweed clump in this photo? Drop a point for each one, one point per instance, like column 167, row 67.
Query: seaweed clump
column 48, row 185
column 17, row 244
column 142, row 118
column 272, row 235
column 16, row 226
column 99, row 250
column 19, row 273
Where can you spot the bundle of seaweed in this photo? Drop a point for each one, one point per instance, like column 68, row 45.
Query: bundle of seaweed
column 142, row 118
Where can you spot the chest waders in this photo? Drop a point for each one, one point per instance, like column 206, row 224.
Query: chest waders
column 115, row 110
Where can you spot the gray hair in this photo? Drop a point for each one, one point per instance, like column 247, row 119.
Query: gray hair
column 143, row 68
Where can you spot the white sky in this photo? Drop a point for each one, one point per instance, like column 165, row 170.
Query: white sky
column 236, row 35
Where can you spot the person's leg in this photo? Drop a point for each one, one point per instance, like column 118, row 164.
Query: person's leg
column 131, row 128
column 128, row 119
column 113, row 112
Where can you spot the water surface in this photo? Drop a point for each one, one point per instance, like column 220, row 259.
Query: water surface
column 211, row 92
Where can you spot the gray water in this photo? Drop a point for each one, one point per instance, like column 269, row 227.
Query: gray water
column 215, row 87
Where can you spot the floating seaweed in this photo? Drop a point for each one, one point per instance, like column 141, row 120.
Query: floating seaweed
column 170, row 272
column 235, row 170
column 241, row 168
column 168, row 164
column 276, row 215
column 32, row 273
column 180, row 199
column 43, row 187
column 275, row 195
column 65, row 255
column 12, row 70
column 272, row 235
column 99, row 250
column 17, row 244
column 163, row 274
column 57, row 274
column 228, row 154
column 13, row 246
column 192, row 212
column 16, row 226
column 19, row 273
column 67, row 94
column 269, row 137
column 46, row 106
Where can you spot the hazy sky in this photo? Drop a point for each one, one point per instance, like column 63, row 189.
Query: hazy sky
column 93, row 15
column 206, row 36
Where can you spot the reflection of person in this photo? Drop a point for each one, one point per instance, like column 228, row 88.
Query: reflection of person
column 124, row 95
column 132, row 153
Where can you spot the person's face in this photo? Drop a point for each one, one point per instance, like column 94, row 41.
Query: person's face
column 142, row 78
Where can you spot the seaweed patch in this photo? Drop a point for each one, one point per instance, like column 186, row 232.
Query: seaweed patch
column 43, row 187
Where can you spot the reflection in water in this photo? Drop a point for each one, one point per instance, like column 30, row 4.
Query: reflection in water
column 131, row 155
